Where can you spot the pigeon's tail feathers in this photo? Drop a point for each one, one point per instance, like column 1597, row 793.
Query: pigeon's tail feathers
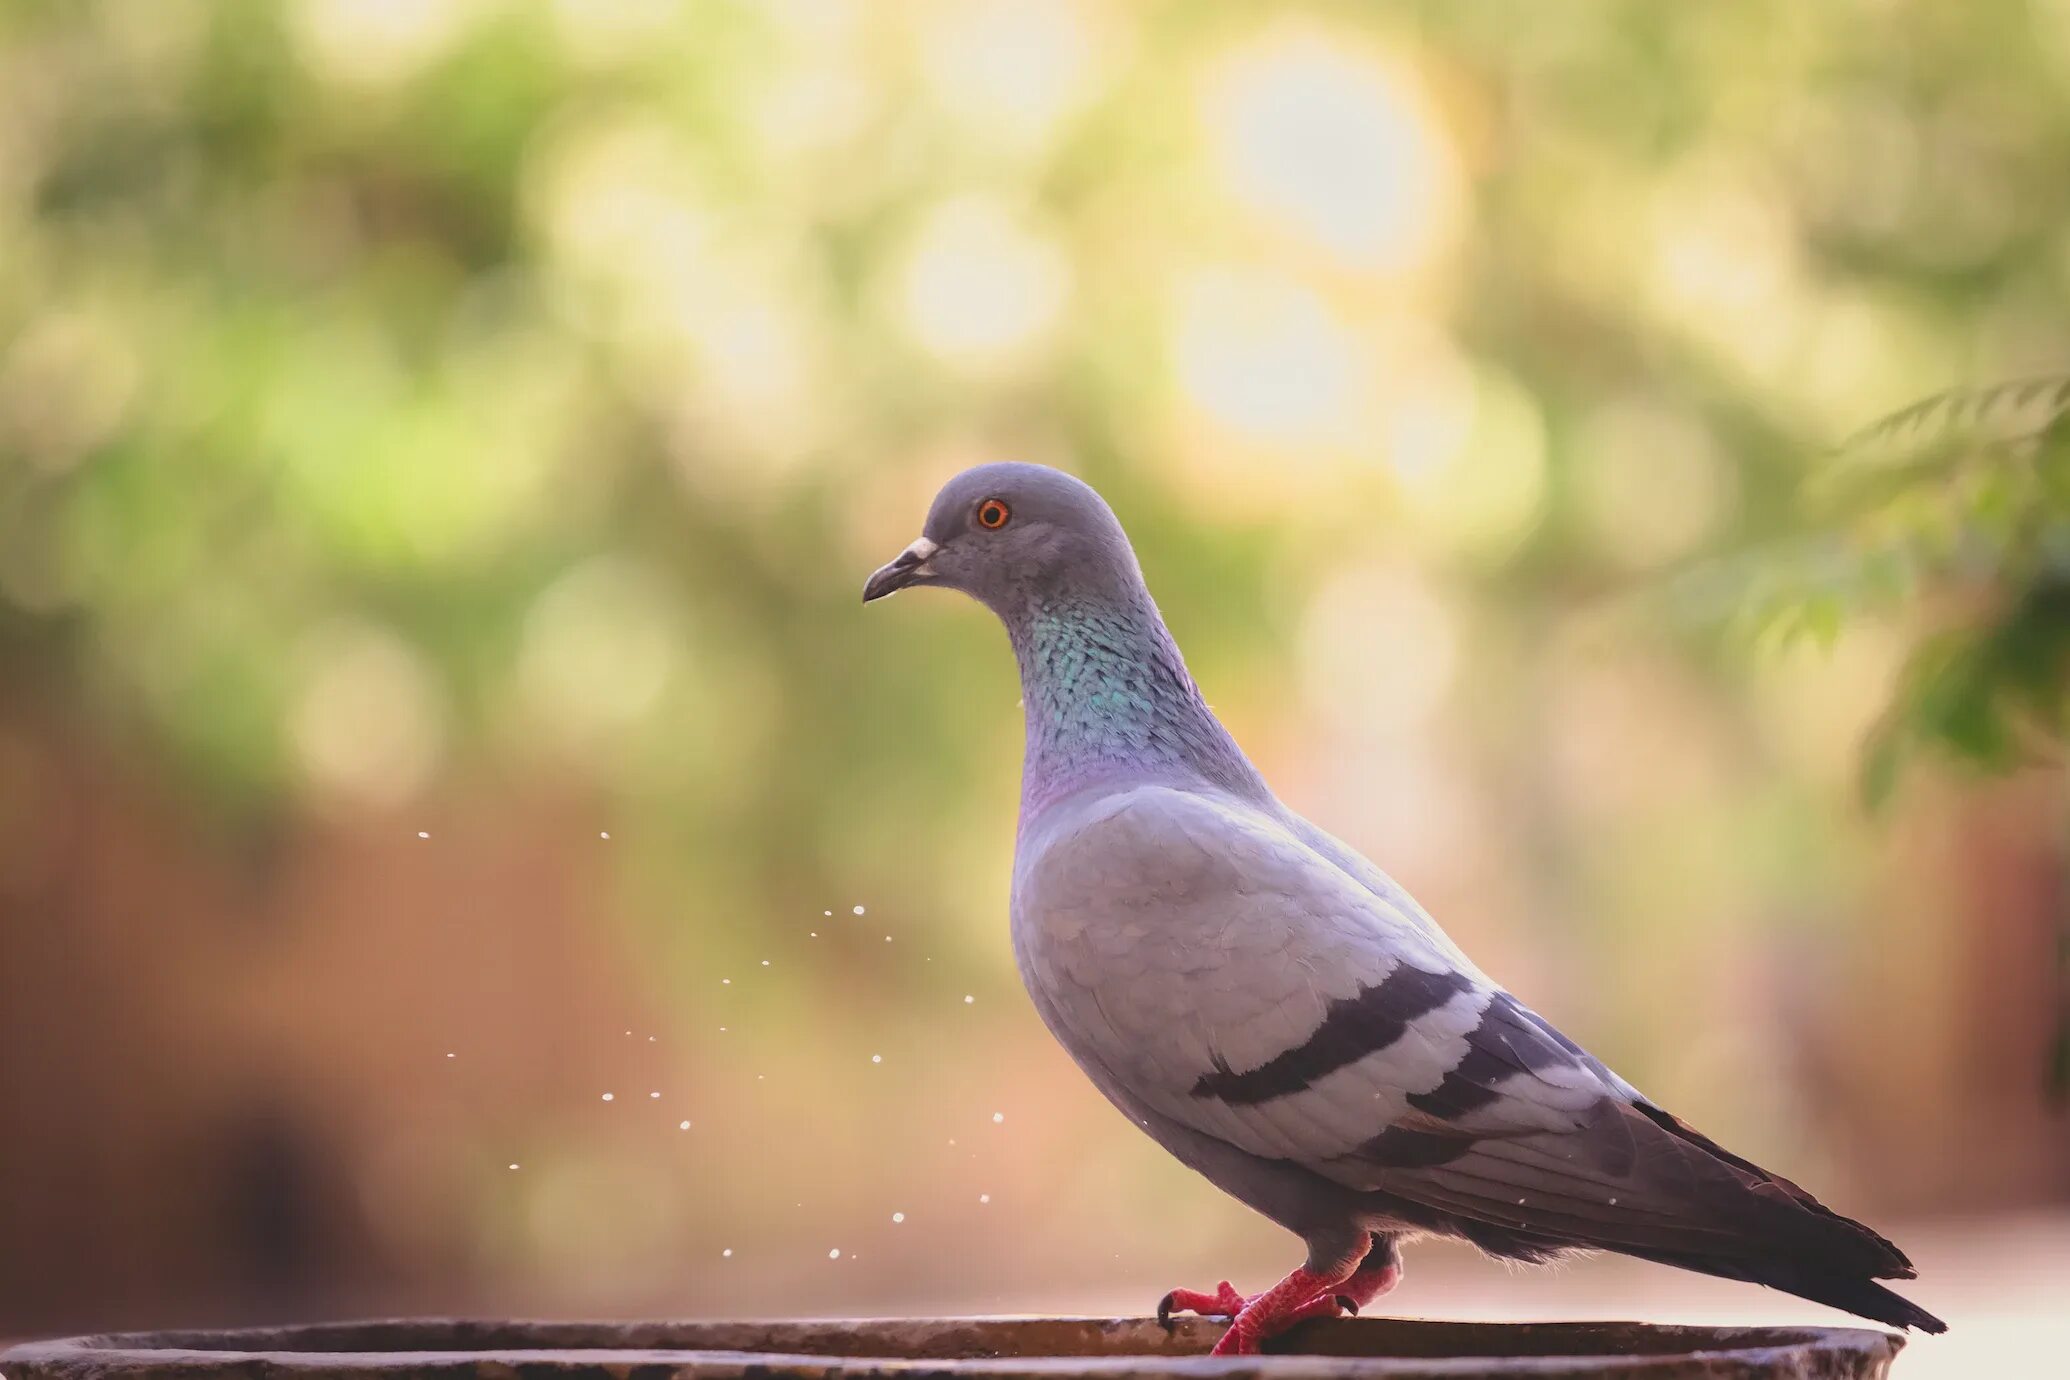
column 1836, row 1262
column 1822, row 1229
column 1636, row 1180
column 1808, row 1280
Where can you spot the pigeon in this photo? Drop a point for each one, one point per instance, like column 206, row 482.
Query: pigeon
column 1279, row 1013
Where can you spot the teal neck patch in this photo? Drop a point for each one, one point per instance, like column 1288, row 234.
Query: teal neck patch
column 1106, row 693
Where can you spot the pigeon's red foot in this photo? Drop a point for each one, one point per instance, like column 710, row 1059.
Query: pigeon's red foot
column 1226, row 1302
column 1300, row 1296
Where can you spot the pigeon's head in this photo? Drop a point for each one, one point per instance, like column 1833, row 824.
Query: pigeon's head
column 1010, row 534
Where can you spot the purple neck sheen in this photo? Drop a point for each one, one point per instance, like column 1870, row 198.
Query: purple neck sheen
column 1108, row 698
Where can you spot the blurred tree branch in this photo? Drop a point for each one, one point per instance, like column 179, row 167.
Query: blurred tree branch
column 1951, row 515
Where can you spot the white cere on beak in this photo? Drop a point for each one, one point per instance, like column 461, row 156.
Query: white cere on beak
column 911, row 564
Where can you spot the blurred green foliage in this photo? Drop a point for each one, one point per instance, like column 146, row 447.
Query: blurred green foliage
column 1952, row 515
column 400, row 395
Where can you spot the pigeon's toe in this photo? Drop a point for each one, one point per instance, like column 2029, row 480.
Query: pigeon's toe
column 1224, row 1302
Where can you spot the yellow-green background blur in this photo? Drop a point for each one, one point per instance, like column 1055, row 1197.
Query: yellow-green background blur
column 441, row 444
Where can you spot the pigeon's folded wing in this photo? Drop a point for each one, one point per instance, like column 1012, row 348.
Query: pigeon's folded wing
column 1244, row 985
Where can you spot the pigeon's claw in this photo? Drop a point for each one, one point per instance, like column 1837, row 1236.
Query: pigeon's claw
column 1223, row 1302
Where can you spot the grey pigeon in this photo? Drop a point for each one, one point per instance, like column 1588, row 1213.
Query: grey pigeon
column 1280, row 1014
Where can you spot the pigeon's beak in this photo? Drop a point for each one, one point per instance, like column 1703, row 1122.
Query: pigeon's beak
column 911, row 565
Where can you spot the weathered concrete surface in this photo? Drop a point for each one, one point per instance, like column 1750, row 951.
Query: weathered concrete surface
column 991, row 1348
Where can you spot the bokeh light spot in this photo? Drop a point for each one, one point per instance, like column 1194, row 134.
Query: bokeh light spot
column 369, row 721
column 979, row 287
column 1337, row 144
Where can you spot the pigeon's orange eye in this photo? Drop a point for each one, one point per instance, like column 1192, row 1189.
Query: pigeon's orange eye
column 992, row 514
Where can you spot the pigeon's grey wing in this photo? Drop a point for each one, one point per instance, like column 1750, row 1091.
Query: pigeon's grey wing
column 1240, row 983
column 1390, row 892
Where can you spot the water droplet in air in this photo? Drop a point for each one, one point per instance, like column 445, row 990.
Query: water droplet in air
column 423, row 834
column 834, row 1254
column 682, row 1126
column 725, row 982
column 609, row 1098
column 604, row 834
column 896, row 1216
column 998, row 1117
column 727, row 1253
column 513, row 1166
column 653, row 1094
column 765, row 963
column 984, row 1197
column 887, row 939
column 858, row 910
column 968, row 1000
column 826, row 912
column 876, row 1058
column 449, row 1056
column 813, row 933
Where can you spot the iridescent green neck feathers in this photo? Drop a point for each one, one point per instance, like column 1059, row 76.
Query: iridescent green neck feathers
column 1106, row 693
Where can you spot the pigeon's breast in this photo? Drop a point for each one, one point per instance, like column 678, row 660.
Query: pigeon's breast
column 1118, row 872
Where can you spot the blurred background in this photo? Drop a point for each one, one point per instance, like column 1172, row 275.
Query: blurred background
column 464, row 848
